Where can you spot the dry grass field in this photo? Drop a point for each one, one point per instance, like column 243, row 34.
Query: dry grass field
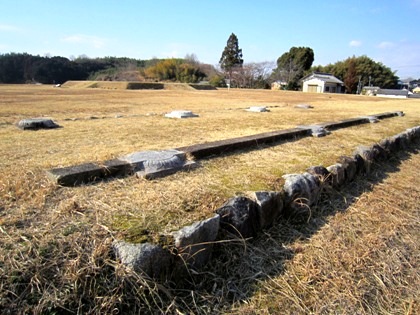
column 55, row 240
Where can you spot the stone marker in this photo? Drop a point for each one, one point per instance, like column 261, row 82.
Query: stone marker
column 195, row 242
column 338, row 175
column 257, row 109
column 316, row 130
column 350, row 167
column 372, row 119
column 270, row 206
column 181, row 114
column 37, row 123
column 239, row 216
column 304, row 106
column 153, row 164
column 146, row 258
column 301, row 191
column 76, row 175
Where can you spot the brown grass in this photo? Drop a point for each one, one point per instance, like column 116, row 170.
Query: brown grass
column 55, row 240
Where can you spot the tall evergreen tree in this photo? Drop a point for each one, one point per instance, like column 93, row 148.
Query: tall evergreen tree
column 232, row 56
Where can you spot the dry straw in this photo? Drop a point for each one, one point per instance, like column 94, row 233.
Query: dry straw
column 55, row 255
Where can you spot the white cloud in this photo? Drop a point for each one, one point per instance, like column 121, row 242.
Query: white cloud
column 93, row 41
column 355, row 43
column 386, row 45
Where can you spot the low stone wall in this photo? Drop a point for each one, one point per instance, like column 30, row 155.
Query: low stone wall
column 245, row 216
column 89, row 172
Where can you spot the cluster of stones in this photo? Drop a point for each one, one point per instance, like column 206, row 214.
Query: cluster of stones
column 246, row 216
column 144, row 164
column 152, row 164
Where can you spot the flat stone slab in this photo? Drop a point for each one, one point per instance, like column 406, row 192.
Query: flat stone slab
column 316, row 131
column 181, row 114
column 153, row 164
column 257, row 109
column 76, row 175
column 229, row 145
column 344, row 123
column 304, row 106
column 37, row 123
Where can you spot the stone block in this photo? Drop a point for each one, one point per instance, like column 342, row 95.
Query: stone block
column 37, row 123
column 194, row 243
column 117, row 167
column 315, row 130
column 304, row 106
column 368, row 156
column 301, row 192
column 269, row 206
column 350, row 167
column 239, row 216
column 146, row 258
column 257, row 109
column 321, row 173
column 76, row 175
column 181, row 114
column 153, row 164
column 338, row 176
column 371, row 119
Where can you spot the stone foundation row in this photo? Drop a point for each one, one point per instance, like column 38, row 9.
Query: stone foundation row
column 245, row 216
column 153, row 164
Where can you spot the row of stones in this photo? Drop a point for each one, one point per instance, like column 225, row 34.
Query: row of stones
column 245, row 216
column 152, row 164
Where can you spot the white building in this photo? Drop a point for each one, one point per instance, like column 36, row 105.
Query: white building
column 322, row 83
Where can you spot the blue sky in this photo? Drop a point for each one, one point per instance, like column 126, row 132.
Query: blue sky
column 386, row 31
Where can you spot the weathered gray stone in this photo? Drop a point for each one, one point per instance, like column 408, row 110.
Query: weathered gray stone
column 117, row 167
column 153, row 164
column 371, row 119
column 195, row 242
column 350, row 167
column 400, row 113
column 304, row 106
column 316, row 131
column 257, row 109
column 321, row 172
column 239, row 216
column 181, row 114
column 76, row 175
column 368, row 155
column 146, row 258
column 269, row 206
column 379, row 152
column 301, row 191
column 37, row 123
column 402, row 141
column 338, row 175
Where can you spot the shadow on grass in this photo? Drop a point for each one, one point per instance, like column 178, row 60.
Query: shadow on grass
column 237, row 268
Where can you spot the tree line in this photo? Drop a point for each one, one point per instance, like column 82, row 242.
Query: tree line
column 288, row 70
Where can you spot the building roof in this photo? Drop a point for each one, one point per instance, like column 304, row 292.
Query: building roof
column 326, row 77
column 392, row 92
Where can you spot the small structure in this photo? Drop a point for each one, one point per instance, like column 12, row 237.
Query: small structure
column 370, row 90
column 318, row 82
column 391, row 93
column 278, row 85
column 181, row 114
column 416, row 90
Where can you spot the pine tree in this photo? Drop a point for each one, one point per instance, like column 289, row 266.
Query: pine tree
column 231, row 56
